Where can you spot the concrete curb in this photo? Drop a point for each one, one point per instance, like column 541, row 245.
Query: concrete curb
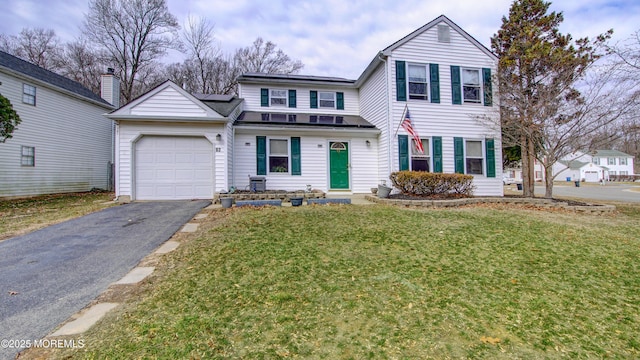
column 86, row 320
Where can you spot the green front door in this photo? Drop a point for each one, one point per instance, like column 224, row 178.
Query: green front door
column 339, row 165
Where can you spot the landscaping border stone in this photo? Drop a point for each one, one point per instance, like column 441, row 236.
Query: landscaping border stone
column 273, row 195
column 544, row 203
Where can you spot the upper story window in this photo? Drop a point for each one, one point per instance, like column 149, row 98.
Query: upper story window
column 622, row 161
column 611, row 161
column 327, row 99
column 596, row 161
column 418, row 82
column 278, row 97
column 471, row 86
column 29, row 94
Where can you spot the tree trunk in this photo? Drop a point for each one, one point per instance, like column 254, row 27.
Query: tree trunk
column 548, row 182
column 527, row 166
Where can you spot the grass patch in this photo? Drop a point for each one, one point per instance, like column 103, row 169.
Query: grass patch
column 20, row 216
column 352, row 282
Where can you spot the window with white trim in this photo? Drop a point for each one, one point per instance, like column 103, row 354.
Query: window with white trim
column 278, row 97
column 420, row 161
column 29, row 94
column 611, row 161
column 417, row 83
column 474, row 157
column 624, row 172
column 622, row 161
column 28, row 156
column 326, row 99
column 278, row 155
column 596, row 161
column 471, row 86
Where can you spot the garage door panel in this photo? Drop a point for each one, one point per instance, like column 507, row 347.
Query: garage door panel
column 169, row 168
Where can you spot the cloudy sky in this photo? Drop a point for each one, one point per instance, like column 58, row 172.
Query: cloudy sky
column 332, row 37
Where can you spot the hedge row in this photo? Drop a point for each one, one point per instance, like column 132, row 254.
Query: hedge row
column 422, row 183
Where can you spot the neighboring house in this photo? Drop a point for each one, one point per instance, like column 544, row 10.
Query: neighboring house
column 618, row 163
column 63, row 144
column 601, row 165
column 334, row 134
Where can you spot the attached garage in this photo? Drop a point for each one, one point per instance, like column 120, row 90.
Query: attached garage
column 591, row 176
column 173, row 168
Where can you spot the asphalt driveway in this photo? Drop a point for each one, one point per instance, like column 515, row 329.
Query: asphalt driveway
column 50, row 274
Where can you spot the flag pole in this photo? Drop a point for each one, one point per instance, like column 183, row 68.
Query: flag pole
column 406, row 106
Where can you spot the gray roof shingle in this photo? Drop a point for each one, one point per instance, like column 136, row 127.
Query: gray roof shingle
column 26, row 68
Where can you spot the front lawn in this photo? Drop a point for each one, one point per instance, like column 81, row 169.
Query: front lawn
column 20, row 216
column 379, row 282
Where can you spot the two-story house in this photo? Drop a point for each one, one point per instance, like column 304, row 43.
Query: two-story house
column 618, row 164
column 63, row 144
column 334, row 134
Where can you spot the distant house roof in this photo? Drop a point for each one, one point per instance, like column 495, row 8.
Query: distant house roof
column 30, row 70
column 573, row 164
column 610, row 153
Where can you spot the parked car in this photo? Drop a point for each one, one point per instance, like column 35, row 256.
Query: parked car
column 509, row 180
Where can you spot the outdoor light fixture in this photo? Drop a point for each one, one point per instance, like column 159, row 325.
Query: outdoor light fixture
column 218, row 137
column 368, row 143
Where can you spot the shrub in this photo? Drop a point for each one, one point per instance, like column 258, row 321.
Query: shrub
column 420, row 183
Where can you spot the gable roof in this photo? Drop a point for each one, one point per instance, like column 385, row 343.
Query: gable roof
column 29, row 70
column 152, row 106
column 610, row 153
column 377, row 60
column 222, row 104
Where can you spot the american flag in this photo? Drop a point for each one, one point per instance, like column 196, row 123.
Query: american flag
column 408, row 127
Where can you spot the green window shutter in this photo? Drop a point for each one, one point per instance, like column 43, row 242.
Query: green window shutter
column 491, row 157
column 295, row 156
column 401, row 81
column 313, row 99
column 434, row 72
column 458, row 155
column 261, row 155
column 456, row 85
column 340, row 100
column 292, row 98
column 403, row 150
column 264, row 97
column 437, row 154
column 486, row 81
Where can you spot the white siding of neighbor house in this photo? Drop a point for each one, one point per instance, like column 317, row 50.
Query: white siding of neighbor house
column 251, row 95
column 445, row 119
column 168, row 102
column 130, row 132
column 72, row 142
column 374, row 105
column 314, row 154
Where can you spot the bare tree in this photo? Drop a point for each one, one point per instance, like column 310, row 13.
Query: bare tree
column 264, row 57
column 604, row 100
column 83, row 63
column 198, row 37
column 38, row 46
column 134, row 33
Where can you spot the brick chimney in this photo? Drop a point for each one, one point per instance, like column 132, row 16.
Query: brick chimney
column 110, row 88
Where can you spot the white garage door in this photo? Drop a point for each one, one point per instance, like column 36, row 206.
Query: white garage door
column 591, row 176
column 173, row 168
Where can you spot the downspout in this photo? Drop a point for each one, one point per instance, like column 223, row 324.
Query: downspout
column 389, row 112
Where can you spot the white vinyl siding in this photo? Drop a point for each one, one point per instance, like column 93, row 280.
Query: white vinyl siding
column 131, row 132
column 71, row 137
column 445, row 119
column 374, row 101
column 251, row 95
column 314, row 156
column 168, row 102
